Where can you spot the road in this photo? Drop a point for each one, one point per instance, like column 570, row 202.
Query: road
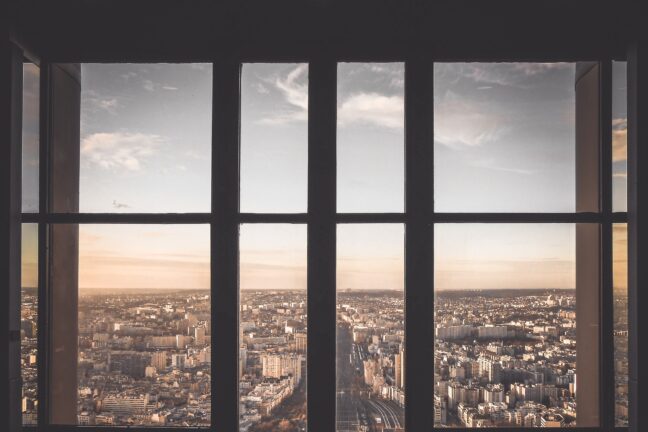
column 357, row 409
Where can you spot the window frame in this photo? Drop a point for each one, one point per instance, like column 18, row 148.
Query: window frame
column 322, row 219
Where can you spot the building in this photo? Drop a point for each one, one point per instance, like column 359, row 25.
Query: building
column 281, row 365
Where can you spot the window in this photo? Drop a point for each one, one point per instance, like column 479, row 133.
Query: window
column 325, row 245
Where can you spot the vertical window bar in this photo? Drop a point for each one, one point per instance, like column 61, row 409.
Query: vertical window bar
column 606, row 387
column 224, row 244
column 637, row 227
column 322, row 99
column 43, row 292
column 419, row 245
column 11, row 73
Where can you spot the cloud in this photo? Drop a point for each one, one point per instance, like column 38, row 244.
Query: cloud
column 97, row 102
column 503, row 74
column 619, row 140
column 129, row 75
column 294, row 90
column 372, row 108
column 170, row 88
column 119, row 150
column 493, row 165
column 295, row 93
column 149, row 85
column 261, row 89
column 460, row 123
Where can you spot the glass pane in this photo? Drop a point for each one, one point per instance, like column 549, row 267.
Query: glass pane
column 273, row 328
column 135, row 302
column 619, row 136
column 29, row 324
column 145, row 137
column 370, row 137
column 505, row 325
column 274, row 138
column 504, row 137
column 370, row 355
column 620, row 282
column 30, row 136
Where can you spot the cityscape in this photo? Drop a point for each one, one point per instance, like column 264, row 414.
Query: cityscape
column 502, row 358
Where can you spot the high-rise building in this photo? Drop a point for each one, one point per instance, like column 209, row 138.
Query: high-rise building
column 179, row 360
column 159, row 360
column 199, row 336
column 301, row 342
column 440, row 410
column 279, row 365
column 398, row 367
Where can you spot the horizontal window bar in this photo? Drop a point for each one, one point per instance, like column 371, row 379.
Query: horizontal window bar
column 199, row 218
column 119, row 218
column 273, row 218
column 527, row 217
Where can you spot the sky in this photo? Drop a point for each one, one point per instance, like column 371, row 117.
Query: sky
column 30, row 137
column 145, row 138
column 504, row 141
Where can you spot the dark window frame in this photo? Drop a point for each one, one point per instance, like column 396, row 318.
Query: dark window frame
column 322, row 219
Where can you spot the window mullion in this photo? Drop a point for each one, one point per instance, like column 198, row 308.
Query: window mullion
column 44, row 336
column 224, row 244
column 322, row 100
column 11, row 70
column 606, row 387
column 419, row 240
column 637, row 231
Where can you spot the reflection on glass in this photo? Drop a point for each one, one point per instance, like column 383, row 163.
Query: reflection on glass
column 29, row 324
column 619, row 136
column 274, row 138
column 145, row 137
column 144, row 325
column 504, row 137
column 370, row 137
column 620, row 284
column 505, row 325
column 370, row 358
column 30, row 136
column 273, row 328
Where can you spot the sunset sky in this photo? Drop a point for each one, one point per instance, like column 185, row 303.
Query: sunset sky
column 504, row 142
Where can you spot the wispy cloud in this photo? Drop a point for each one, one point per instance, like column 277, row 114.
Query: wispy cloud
column 119, row 150
column 170, row 88
column 502, row 74
column 460, row 123
column 493, row 164
column 294, row 91
column 96, row 102
column 148, row 85
column 619, row 139
column 372, row 108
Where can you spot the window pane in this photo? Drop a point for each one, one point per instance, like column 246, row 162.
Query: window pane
column 619, row 136
column 370, row 328
column 145, row 138
column 141, row 327
column 504, row 137
column 274, row 138
column 29, row 324
column 370, row 137
column 505, row 326
column 30, row 136
column 620, row 282
column 273, row 328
